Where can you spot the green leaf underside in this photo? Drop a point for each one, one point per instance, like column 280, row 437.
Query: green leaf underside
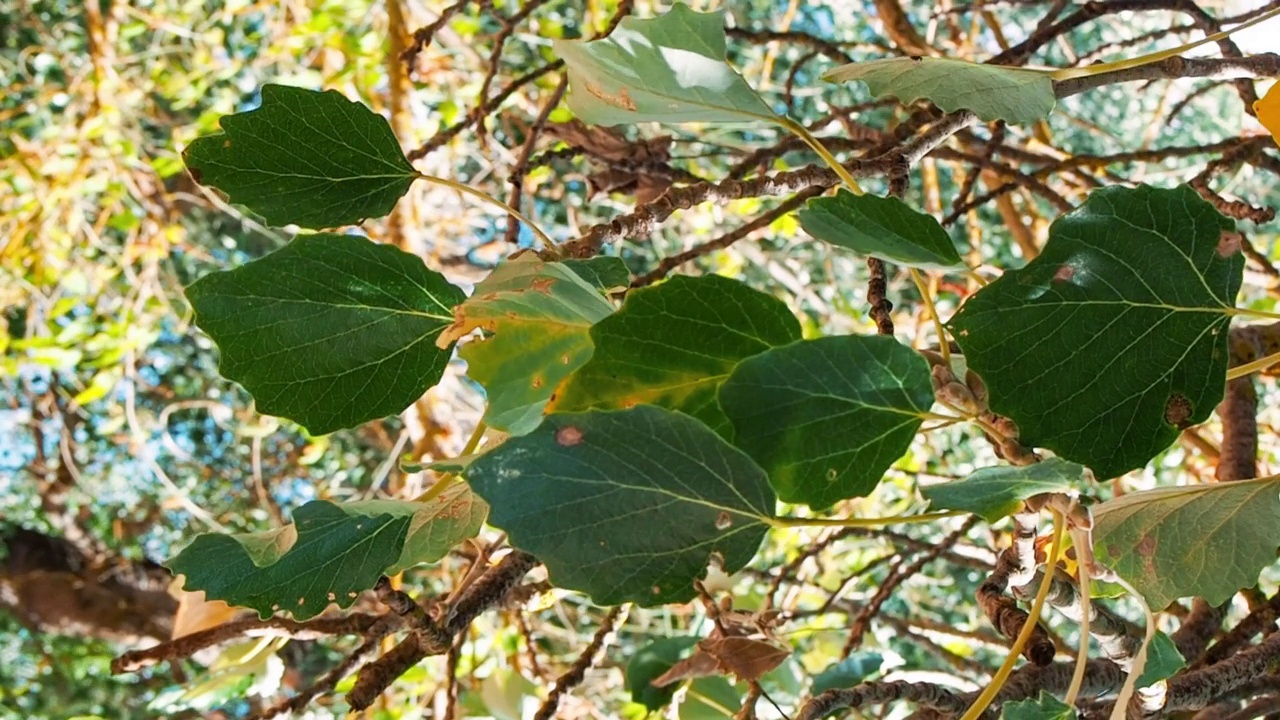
column 339, row 551
column 540, row 315
column 649, row 663
column 627, row 505
column 309, row 158
column 992, row 92
column 330, row 331
column 882, row 227
column 1163, row 660
column 672, row 345
column 998, row 492
column 605, row 273
column 826, row 418
column 1044, row 707
column 1115, row 337
column 666, row 69
column 848, row 672
column 1205, row 541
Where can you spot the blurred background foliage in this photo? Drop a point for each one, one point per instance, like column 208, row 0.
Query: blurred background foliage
column 118, row 437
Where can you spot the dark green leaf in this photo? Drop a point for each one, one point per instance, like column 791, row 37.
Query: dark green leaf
column 309, row 158
column 626, row 505
column 848, row 672
column 650, row 662
column 664, row 69
column 330, row 331
column 1045, row 707
column 603, row 272
column 825, row 418
column 330, row 553
column 1115, row 338
column 672, row 345
column 1163, row 660
column 997, row 492
column 1205, row 540
column 882, row 227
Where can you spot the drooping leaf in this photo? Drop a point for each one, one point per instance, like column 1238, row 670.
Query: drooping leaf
column 1205, row 540
column 340, row 550
column 330, row 331
column 847, row 672
column 826, row 418
column 1163, row 661
column 650, row 662
column 626, row 505
column 539, row 315
column 997, row 492
column 314, row 159
column 1044, row 707
column 1115, row 338
column 672, row 345
column 1268, row 110
column 882, row 227
column 993, row 92
column 665, row 69
column 605, row 273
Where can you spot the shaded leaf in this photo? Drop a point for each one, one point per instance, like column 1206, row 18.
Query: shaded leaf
column 700, row 664
column 825, row 418
column 1044, row 707
column 666, row 69
column 1205, row 540
column 626, row 506
column 1163, row 661
column 649, row 663
column 993, row 92
column 539, row 314
column 747, row 658
column 314, row 159
column 1115, row 338
column 710, row 698
column 847, row 672
column 330, row 331
column 340, row 550
column 672, row 345
column 997, row 492
column 603, row 272
column 882, row 227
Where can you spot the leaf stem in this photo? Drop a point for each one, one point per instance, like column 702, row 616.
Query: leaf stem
column 1250, row 312
column 794, row 522
column 447, row 479
column 1081, row 539
column 943, row 346
column 803, row 133
column 486, row 197
column 1250, row 368
column 1046, row 581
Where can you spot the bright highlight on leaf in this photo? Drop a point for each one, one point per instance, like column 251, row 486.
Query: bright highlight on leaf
column 1268, row 109
column 329, row 331
column 330, row 554
column 666, row 69
column 1114, row 339
column 626, row 506
column 882, row 227
column 993, row 92
column 998, row 492
column 539, row 315
column 1205, row 540
column 308, row 158
column 826, row 418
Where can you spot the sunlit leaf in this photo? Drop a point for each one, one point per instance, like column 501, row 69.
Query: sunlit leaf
column 1268, row 109
column 997, row 492
column 603, row 272
column 882, row 227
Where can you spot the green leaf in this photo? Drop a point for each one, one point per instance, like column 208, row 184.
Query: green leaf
column 882, row 227
column 337, row 551
column 848, row 672
column 1205, row 540
column 665, row 69
column 710, row 698
column 1163, row 661
column 309, row 158
column 825, row 418
column 649, row 663
column 1115, row 338
column 539, row 315
column 672, row 345
column 993, row 92
column 330, row 331
column 605, row 273
column 998, row 492
column 628, row 505
column 1044, row 707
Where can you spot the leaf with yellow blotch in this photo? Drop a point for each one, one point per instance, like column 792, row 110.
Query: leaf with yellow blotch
column 1268, row 111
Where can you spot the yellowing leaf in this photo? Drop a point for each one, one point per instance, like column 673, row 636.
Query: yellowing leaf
column 1268, row 110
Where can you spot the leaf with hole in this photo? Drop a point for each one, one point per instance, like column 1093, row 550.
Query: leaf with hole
column 1204, row 540
column 628, row 505
column 537, row 315
column 672, row 345
column 329, row 331
column 882, row 227
column 329, row 554
column 998, row 492
column 992, row 92
column 668, row 69
column 314, row 159
column 826, row 418
column 1114, row 338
